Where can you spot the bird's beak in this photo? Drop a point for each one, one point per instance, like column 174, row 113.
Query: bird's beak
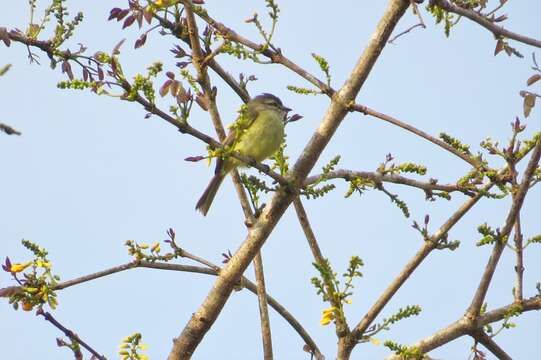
column 286, row 109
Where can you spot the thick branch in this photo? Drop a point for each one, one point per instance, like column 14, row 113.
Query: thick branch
column 481, row 337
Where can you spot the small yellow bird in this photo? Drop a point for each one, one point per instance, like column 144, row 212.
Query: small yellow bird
column 260, row 132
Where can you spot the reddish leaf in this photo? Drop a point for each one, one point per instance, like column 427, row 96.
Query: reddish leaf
column 500, row 18
column 195, row 158
column 202, row 101
column 533, row 79
column 121, row 15
column 101, row 76
column 164, row 89
column 293, row 118
column 85, row 74
column 113, row 67
column 141, row 41
column 114, row 13
column 183, row 64
column 140, row 19
column 116, row 49
column 174, row 87
column 7, row 265
column 4, row 36
column 66, row 68
column 180, row 92
column 529, row 103
column 178, row 51
column 128, row 22
column 170, row 75
column 148, row 16
column 499, row 47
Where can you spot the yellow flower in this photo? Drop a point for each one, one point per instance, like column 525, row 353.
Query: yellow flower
column 155, row 247
column 328, row 316
column 43, row 264
column 143, row 246
column 31, row 290
column 165, row 3
column 375, row 341
column 348, row 301
column 325, row 321
column 17, row 268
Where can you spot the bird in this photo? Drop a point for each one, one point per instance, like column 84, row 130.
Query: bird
column 257, row 133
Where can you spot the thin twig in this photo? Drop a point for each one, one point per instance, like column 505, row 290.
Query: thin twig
column 367, row 111
column 378, row 177
column 70, row 334
column 263, row 311
column 421, row 23
column 406, row 31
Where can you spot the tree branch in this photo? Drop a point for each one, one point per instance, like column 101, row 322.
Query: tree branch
column 427, row 247
column 367, row 111
column 481, row 337
column 518, row 199
column 204, row 317
column 378, row 177
column 484, row 22
column 208, row 269
column 199, row 61
column 464, row 326
column 71, row 335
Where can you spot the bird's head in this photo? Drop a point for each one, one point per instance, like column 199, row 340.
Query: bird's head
column 268, row 101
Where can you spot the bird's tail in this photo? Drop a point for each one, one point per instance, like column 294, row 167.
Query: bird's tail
column 206, row 199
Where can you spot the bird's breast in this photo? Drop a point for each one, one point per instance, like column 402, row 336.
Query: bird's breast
column 263, row 137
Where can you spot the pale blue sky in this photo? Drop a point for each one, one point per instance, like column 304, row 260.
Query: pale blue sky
column 90, row 172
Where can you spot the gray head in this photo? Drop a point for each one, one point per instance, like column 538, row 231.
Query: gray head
column 267, row 100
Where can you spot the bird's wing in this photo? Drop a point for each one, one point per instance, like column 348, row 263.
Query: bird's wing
column 231, row 138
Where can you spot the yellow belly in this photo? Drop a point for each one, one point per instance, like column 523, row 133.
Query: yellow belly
column 263, row 138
